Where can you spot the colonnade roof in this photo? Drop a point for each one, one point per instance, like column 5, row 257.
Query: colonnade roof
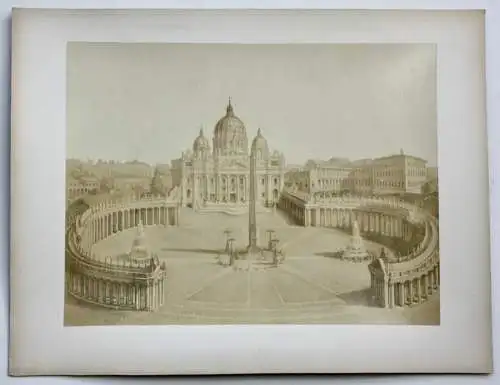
column 303, row 196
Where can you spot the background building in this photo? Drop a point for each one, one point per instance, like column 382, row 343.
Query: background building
column 80, row 186
column 399, row 174
column 99, row 176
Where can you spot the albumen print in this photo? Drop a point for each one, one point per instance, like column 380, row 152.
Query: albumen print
column 251, row 184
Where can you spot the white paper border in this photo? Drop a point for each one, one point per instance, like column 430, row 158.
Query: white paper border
column 41, row 345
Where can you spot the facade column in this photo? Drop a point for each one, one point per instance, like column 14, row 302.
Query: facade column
column 419, row 289
column 389, row 294
column 137, row 297
column 161, row 292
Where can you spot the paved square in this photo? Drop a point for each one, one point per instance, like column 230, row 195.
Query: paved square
column 309, row 287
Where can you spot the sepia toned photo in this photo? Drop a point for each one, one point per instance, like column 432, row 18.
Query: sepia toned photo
column 251, row 184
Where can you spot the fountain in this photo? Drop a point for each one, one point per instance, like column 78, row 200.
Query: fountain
column 356, row 250
column 139, row 251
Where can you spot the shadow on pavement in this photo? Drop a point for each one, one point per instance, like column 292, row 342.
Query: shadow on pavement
column 358, row 297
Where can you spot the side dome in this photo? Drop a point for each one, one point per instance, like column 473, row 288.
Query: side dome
column 201, row 143
column 259, row 146
column 230, row 136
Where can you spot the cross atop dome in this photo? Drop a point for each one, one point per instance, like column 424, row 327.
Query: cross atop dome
column 229, row 110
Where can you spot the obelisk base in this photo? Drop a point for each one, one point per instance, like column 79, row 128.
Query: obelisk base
column 253, row 253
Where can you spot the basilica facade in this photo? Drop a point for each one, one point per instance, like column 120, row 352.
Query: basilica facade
column 218, row 173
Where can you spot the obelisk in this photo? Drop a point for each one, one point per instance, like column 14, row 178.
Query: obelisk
column 252, row 215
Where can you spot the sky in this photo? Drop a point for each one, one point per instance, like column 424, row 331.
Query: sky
column 148, row 101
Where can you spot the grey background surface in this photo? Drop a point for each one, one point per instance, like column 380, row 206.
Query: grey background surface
column 493, row 89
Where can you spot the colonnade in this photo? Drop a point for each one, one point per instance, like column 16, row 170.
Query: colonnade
column 409, row 279
column 406, row 290
column 295, row 208
column 104, row 224
column 389, row 223
column 112, row 284
column 107, row 292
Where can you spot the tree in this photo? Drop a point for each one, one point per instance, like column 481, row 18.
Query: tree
column 157, row 187
column 106, row 185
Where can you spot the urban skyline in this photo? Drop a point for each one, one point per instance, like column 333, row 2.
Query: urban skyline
column 110, row 84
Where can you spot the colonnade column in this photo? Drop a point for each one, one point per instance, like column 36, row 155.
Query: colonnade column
column 385, row 293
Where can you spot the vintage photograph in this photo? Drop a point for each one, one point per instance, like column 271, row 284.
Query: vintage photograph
column 251, row 184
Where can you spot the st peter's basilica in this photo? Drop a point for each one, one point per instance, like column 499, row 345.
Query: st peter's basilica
column 219, row 174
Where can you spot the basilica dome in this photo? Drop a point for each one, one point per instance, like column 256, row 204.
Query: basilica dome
column 259, row 146
column 201, row 143
column 230, row 136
